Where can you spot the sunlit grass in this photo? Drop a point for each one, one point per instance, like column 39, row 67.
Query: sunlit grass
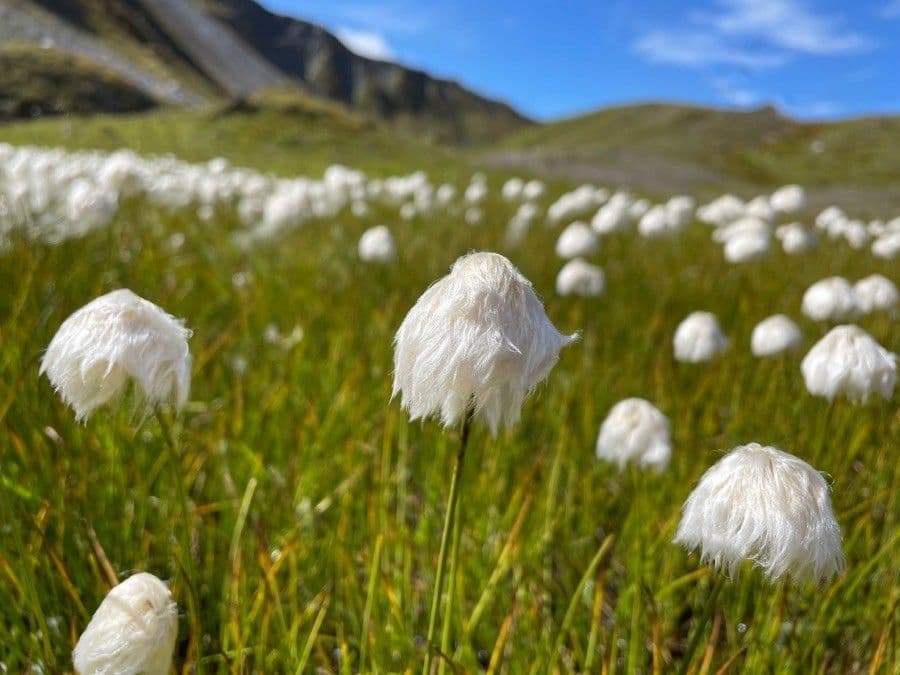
column 298, row 514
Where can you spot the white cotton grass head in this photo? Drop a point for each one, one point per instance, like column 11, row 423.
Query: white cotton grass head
column 579, row 277
column 478, row 336
column 133, row 630
column 376, row 245
column 112, row 340
column 830, row 299
column 577, row 240
column 876, row 293
column 699, row 338
column 635, row 431
column 764, row 505
column 775, row 335
column 849, row 362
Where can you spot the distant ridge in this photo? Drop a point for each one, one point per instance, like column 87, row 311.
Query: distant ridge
column 235, row 48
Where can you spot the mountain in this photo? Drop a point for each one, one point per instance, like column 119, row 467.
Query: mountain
column 667, row 148
column 186, row 51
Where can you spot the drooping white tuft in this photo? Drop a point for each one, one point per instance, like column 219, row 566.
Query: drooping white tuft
column 849, row 361
column 133, row 630
column 112, row 339
column 876, row 293
column 761, row 504
column 774, row 335
column 635, row 430
column 579, row 277
column 830, row 299
column 477, row 335
column 376, row 245
column 699, row 338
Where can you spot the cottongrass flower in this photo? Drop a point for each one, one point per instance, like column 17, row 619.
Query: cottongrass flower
column 876, row 293
column 796, row 239
column 577, row 240
column 635, row 431
column 830, row 299
column 699, row 338
column 479, row 336
column 474, row 345
column 376, row 245
column 761, row 504
column 849, row 361
column 132, row 631
column 113, row 339
column 789, row 199
column 579, row 277
column 775, row 335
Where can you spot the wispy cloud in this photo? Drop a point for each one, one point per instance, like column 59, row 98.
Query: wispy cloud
column 810, row 110
column 751, row 33
column 787, row 24
column 891, row 10
column 695, row 48
column 367, row 43
column 736, row 95
column 390, row 18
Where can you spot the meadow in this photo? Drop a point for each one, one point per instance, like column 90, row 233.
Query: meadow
column 297, row 513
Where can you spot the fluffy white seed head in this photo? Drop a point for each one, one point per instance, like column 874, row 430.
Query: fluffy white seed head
column 133, row 630
column 831, row 299
column 113, row 339
column 849, row 362
column 376, row 245
column 775, row 335
column 577, row 240
column 789, row 199
column 635, row 431
column 477, row 336
column 579, row 277
column 796, row 239
column 761, row 504
column 876, row 293
column 746, row 248
column 699, row 338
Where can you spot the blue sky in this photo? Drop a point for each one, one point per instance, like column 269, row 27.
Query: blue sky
column 814, row 59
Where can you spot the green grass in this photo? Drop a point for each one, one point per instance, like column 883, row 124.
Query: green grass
column 742, row 151
column 36, row 81
column 297, row 505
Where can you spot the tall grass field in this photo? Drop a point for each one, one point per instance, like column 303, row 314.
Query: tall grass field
column 297, row 513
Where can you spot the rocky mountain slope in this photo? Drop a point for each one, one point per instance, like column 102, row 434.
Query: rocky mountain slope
column 184, row 51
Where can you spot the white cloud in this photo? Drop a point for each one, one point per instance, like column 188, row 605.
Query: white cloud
column 891, row 10
column 693, row 48
column 736, row 95
column 752, row 34
column 368, row 43
column 787, row 24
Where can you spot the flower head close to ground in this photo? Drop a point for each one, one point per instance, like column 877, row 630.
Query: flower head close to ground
column 764, row 505
column 112, row 340
column 579, row 277
column 479, row 336
column 830, row 299
column 132, row 631
column 635, row 431
column 849, row 362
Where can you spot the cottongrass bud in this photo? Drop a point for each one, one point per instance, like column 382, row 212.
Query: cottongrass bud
column 849, row 361
column 479, row 336
column 578, row 277
column 831, row 299
column 635, row 430
column 761, row 504
column 876, row 293
column 775, row 335
column 699, row 338
column 376, row 245
column 112, row 339
column 577, row 240
column 133, row 630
